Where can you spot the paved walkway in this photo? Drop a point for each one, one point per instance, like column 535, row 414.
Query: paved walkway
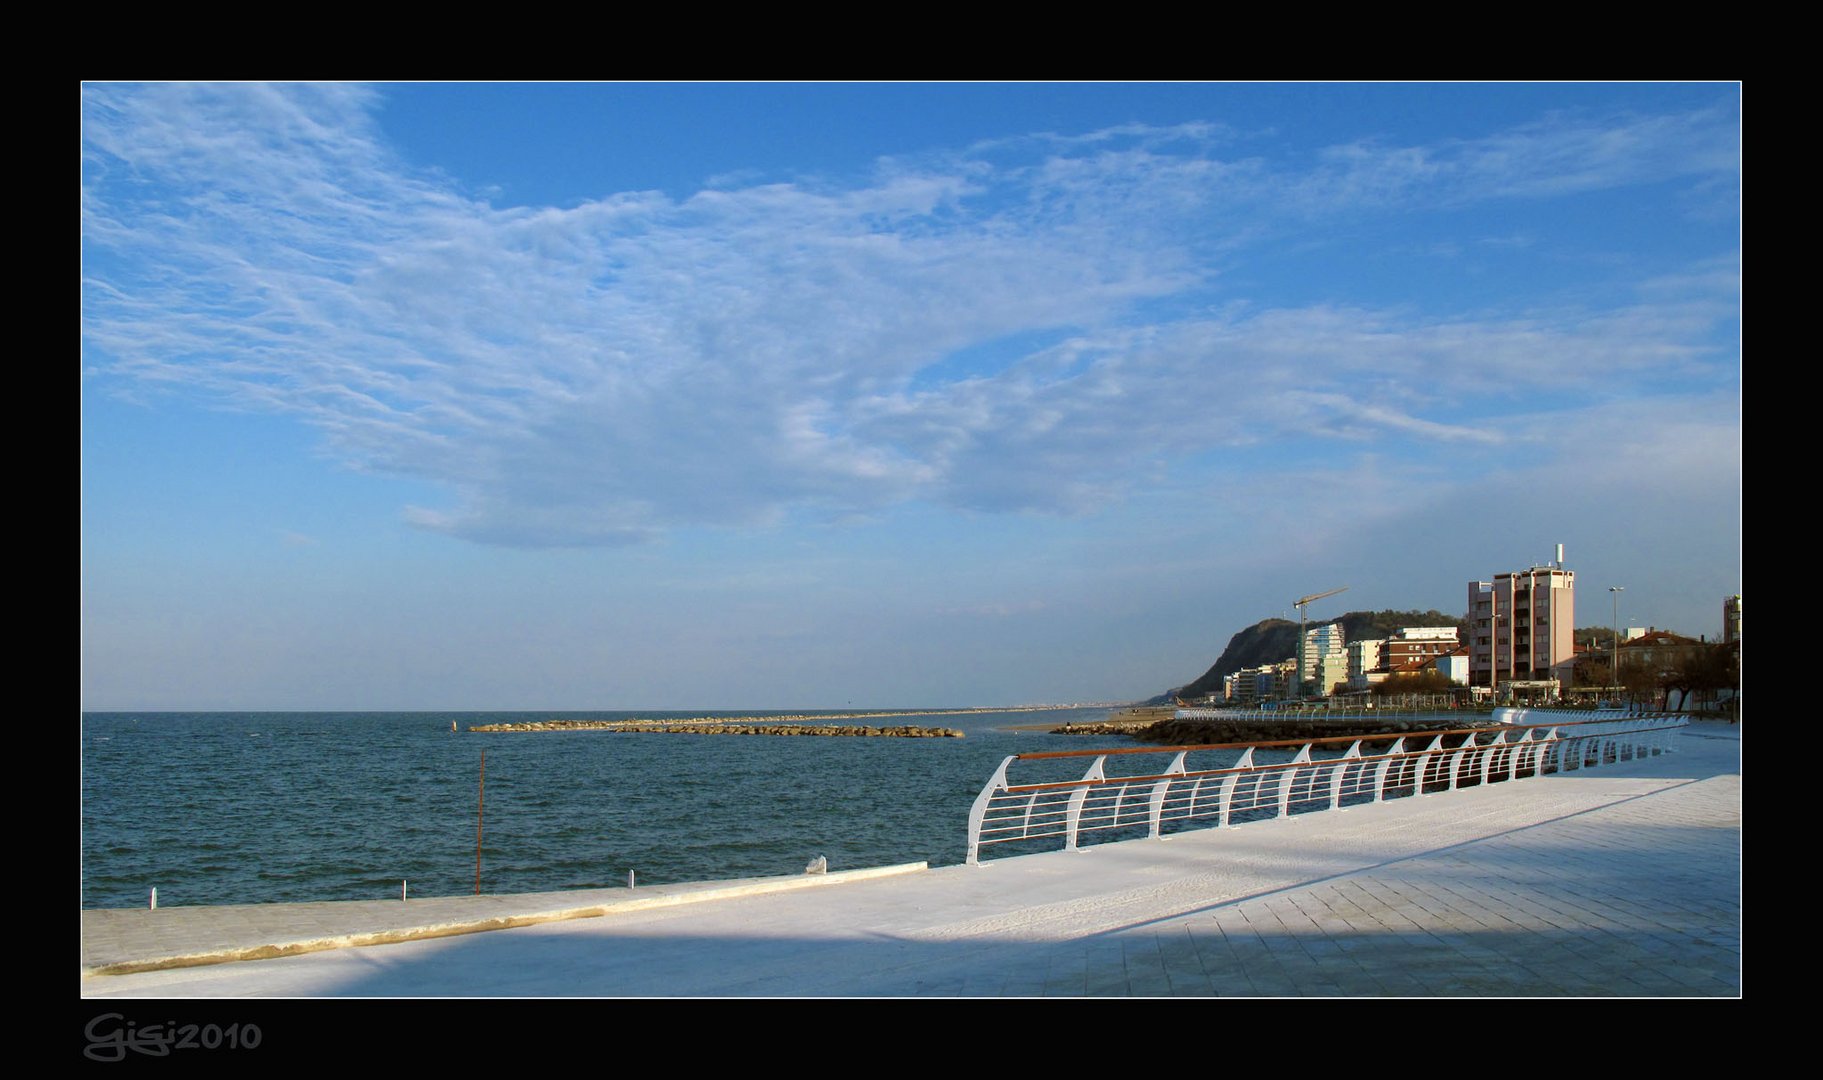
column 1618, row 881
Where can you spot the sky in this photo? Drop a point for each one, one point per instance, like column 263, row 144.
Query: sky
column 726, row 396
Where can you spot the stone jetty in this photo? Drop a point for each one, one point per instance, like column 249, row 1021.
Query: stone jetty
column 713, row 726
column 1125, row 722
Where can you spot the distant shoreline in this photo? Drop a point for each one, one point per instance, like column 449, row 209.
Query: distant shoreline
column 771, row 724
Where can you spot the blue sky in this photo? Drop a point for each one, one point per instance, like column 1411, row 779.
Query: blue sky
column 721, row 396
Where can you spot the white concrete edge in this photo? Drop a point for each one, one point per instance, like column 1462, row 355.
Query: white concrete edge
column 655, row 899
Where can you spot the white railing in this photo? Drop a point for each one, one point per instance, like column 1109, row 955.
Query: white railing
column 1246, row 788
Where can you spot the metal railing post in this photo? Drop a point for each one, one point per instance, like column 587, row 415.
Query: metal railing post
column 1552, row 757
column 1530, row 752
column 1341, row 773
column 1468, row 746
column 1073, row 816
column 1227, row 796
column 1156, row 805
column 1386, row 762
column 1488, row 756
column 1290, row 777
column 1424, row 760
column 978, row 812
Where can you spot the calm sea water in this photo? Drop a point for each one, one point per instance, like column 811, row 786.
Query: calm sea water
column 215, row 808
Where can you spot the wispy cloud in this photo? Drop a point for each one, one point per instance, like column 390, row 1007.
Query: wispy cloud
column 1556, row 155
column 997, row 610
column 598, row 374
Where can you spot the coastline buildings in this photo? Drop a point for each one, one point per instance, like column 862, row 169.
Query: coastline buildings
column 1420, row 643
column 1268, row 682
column 1520, row 643
column 1410, row 650
column 1520, row 628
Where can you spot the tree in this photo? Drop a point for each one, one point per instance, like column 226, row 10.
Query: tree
column 1638, row 681
column 1705, row 672
column 1409, row 687
column 1592, row 670
column 1594, row 637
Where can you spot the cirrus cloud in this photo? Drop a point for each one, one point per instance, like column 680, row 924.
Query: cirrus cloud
column 1031, row 325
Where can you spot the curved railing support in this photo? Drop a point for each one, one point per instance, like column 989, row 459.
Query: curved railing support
column 1244, row 765
column 1384, row 766
column 1339, row 773
column 1073, row 816
column 978, row 812
column 1290, row 777
column 1155, row 806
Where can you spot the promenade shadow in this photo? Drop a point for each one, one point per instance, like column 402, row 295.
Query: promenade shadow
column 1191, row 962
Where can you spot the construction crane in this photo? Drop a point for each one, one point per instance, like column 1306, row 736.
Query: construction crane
column 1301, row 604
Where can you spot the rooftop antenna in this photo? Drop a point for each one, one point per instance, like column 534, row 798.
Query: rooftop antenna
column 1301, row 604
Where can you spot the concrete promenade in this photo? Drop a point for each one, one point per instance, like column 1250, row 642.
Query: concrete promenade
column 1617, row 881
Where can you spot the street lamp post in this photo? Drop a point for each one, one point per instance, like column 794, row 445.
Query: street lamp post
column 1615, row 591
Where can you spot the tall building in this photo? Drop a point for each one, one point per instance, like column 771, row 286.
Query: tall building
column 1322, row 639
column 1731, row 620
column 1325, row 657
column 1521, row 625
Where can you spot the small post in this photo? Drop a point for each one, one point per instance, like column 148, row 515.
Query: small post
column 154, row 906
column 480, row 808
column 629, row 879
column 402, row 884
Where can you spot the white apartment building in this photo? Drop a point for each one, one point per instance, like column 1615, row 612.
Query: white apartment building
column 1331, row 673
column 1325, row 660
column 1364, row 656
column 1321, row 639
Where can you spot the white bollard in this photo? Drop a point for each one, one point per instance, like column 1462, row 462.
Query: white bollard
column 629, row 879
column 154, row 898
column 402, row 884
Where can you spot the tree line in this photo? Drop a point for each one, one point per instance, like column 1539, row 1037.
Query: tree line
column 1675, row 679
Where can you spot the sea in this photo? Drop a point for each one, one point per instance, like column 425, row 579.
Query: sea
column 266, row 807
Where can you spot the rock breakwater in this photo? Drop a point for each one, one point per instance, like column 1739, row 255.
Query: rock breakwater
column 1125, row 722
column 1159, row 725
column 1210, row 732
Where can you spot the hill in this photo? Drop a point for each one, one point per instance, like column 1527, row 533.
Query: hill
column 1271, row 640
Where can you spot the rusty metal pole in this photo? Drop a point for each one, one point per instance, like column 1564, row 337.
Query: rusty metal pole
column 480, row 809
